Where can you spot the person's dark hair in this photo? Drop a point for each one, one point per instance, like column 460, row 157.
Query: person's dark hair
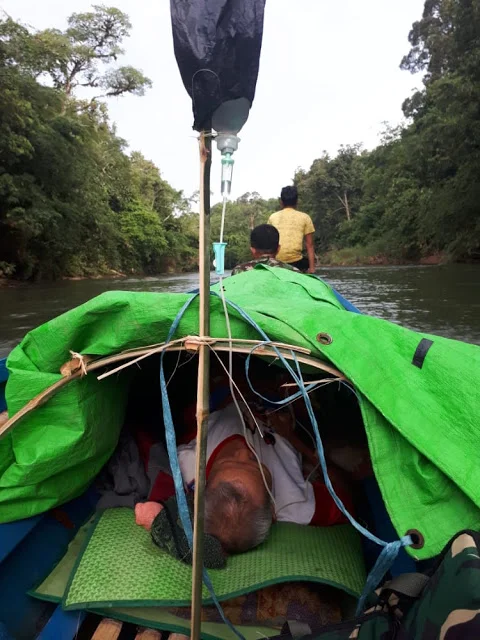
column 289, row 196
column 232, row 519
column 265, row 237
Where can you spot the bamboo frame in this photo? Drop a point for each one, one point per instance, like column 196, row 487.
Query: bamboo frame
column 203, row 384
column 188, row 343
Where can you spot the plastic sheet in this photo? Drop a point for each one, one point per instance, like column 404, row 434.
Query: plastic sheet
column 217, row 46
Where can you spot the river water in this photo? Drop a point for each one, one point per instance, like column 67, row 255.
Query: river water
column 442, row 300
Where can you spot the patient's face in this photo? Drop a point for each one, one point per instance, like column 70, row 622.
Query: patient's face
column 236, row 464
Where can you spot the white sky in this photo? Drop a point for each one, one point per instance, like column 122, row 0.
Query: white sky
column 329, row 75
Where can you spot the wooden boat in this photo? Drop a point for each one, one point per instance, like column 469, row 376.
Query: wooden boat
column 411, row 389
column 30, row 547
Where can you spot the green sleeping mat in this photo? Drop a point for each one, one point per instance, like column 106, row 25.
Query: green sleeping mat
column 120, row 565
column 52, row 589
column 54, row 586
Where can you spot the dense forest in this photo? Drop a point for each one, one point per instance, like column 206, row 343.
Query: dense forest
column 75, row 202
column 418, row 193
column 72, row 201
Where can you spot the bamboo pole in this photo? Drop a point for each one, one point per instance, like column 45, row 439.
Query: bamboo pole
column 203, row 385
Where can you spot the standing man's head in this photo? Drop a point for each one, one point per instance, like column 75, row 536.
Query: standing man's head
column 289, row 197
column 264, row 241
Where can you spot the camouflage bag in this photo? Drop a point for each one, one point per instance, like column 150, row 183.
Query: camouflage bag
column 443, row 605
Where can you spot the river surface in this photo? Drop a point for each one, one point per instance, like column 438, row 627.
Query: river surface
column 442, row 300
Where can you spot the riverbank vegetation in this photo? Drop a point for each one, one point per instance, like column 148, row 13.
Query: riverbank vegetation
column 74, row 202
column 417, row 194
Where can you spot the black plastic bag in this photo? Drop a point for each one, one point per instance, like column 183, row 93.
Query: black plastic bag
column 217, row 46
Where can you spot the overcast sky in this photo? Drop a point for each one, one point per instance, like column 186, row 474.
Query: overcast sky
column 329, row 75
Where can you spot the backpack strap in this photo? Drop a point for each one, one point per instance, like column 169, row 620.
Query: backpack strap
column 296, row 629
column 407, row 584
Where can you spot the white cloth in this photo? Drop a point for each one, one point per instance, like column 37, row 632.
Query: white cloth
column 294, row 497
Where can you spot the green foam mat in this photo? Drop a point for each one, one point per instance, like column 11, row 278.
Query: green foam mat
column 53, row 588
column 120, row 565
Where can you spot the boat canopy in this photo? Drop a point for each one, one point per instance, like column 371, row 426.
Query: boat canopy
column 418, row 395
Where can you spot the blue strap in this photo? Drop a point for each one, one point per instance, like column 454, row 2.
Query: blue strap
column 170, row 437
column 175, row 466
column 384, row 561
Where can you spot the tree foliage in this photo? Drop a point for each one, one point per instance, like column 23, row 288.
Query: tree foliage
column 417, row 193
column 72, row 201
column 79, row 56
column 331, row 192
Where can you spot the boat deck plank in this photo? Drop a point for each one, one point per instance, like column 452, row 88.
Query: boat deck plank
column 108, row 629
column 149, row 634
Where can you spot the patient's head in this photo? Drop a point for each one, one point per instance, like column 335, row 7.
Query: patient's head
column 238, row 510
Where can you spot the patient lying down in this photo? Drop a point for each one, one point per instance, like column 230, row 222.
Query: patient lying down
column 251, row 484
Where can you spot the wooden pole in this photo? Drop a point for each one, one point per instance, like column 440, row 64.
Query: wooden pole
column 347, row 206
column 203, row 386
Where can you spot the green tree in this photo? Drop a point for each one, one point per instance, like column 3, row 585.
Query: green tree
column 445, row 39
column 172, row 211
column 445, row 129
column 331, row 192
column 79, row 56
column 415, row 194
column 72, row 202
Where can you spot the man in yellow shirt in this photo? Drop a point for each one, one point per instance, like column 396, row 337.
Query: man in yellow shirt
column 293, row 226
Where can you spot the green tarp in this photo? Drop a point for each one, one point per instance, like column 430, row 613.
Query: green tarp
column 423, row 424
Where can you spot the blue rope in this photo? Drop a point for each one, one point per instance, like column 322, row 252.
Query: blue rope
column 383, row 564
column 170, row 434
column 175, row 466
column 390, row 549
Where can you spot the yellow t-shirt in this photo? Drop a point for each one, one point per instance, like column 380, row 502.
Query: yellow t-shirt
column 293, row 226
